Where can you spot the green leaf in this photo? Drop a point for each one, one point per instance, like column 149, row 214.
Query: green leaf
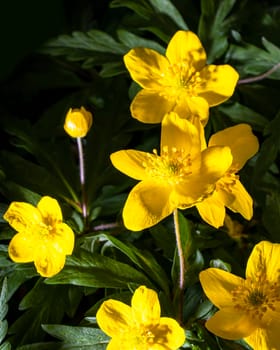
column 5, row 346
column 42, row 304
column 141, row 7
column 252, row 60
column 166, row 7
column 271, row 215
column 94, row 270
column 143, row 259
column 214, row 26
column 239, row 113
column 77, row 335
column 131, row 40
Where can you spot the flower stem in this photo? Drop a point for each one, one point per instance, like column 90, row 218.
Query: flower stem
column 181, row 283
column 259, row 77
column 82, row 177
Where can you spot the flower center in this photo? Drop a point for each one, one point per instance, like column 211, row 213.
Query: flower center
column 256, row 296
column 228, row 180
column 172, row 166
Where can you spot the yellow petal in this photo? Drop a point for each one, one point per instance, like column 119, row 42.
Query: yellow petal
column 49, row 261
column 231, row 324
column 22, row 216
column 242, row 142
column 146, row 67
column 265, row 338
column 146, row 205
column 180, row 134
column 50, row 210
column 217, row 83
column 130, row 162
column 212, row 211
column 150, row 106
column 64, row 238
column 114, row 318
column 22, row 247
column 145, row 306
column 265, row 257
column 218, row 285
column 242, row 202
column 169, row 334
column 78, row 121
column 215, row 161
column 185, row 46
column 192, row 106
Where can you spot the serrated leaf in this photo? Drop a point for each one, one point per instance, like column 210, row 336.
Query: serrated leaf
column 77, row 335
column 94, row 270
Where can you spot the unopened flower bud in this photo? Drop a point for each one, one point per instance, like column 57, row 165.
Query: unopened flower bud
column 78, row 122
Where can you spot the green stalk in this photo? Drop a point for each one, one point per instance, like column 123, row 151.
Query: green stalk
column 181, row 282
column 82, row 177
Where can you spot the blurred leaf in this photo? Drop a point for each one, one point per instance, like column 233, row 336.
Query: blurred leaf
column 214, row 26
column 271, row 215
column 94, row 270
column 141, row 7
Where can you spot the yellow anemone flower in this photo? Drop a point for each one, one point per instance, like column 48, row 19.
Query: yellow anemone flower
column 42, row 236
column 180, row 81
column 140, row 326
column 179, row 177
column 229, row 190
column 78, row 121
column 248, row 308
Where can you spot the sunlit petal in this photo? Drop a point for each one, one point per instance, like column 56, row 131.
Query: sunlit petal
column 114, row 317
column 172, row 335
column 215, row 161
column 265, row 257
column 49, row 261
column 242, row 202
column 217, row 83
column 146, row 205
column 22, row 248
column 22, row 216
column 218, row 285
column 150, row 106
column 145, row 306
column 265, row 338
column 212, row 211
column 49, row 209
column 242, row 142
column 197, row 106
column 146, row 67
column 228, row 323
column 64, row 238
column 178, row 133
column 185, row 46
column 131, row 163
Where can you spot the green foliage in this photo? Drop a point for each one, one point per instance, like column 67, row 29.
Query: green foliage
column 83, row 66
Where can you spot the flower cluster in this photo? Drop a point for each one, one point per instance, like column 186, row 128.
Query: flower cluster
column 178, row 90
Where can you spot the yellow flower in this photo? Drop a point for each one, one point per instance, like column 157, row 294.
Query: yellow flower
column 180, row 81
column 140, row 326
column 177, row 178
column 42, row 236
column 249, row 308
column 229, row 191
column 78, row 121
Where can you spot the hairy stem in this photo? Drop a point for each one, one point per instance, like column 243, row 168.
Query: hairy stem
column 181, row 283
column 82, row 177
column 259, row 77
